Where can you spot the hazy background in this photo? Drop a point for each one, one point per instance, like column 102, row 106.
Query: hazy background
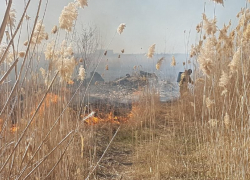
column 148, row 21
column 169, row 24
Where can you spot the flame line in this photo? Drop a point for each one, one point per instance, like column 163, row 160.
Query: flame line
column 88, row 116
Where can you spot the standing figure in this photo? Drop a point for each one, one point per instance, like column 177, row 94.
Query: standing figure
column 185, row 79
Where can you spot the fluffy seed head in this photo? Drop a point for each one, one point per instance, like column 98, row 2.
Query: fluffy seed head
column 49, row 50
column 69, row 51
column 68, row 16
column 151, row 51
column 7, row 35
column 9, row 57
column 82, row 3
column 121, row 28
column 198, row 27
column 39, row 33
column 44, row 75
column 46, row 36
column 159, row 62
column 81, row 73
column 66, row 66
column 173, row 63
column 224, row 79
column 43, row 72
column 209, row 25
column 26, row 43
column 219, row 1
column 21, row 54
column 247, row 33
column 226, row 120
column 224, row 92
column 27, row 17
column 207, row 57
column 235, row 63
column 54, row 30
column 12, row 18
column 61, row 59
column 209, row 102
column 213, row 122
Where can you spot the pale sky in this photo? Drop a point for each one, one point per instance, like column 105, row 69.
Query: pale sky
column 162, row 22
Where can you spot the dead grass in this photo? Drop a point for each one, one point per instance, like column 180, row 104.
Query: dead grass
column 203, row 135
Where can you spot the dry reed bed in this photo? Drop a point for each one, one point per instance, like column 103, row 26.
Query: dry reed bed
column 205, row 135
column 211, row 139
column 40, row 134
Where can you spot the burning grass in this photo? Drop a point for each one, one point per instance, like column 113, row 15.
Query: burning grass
column 109, row 118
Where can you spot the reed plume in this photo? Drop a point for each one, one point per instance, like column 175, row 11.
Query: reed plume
column 213, row 122
column 121, row 28
column 209, row 25
column 226, row 120
column 219, row 1
column 39, row 33
column 82, row 3
column 21, row 54
column 236, row 61
column 224, row 79
column 151, row 51
column 159, row 63
column 207, row 57
column 68, row 16
column 173, row 62
column 54, row 30
column 12, row 18
column 82, row 72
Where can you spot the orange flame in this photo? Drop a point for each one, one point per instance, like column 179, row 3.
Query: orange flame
column 50, row 99
column 108, row 118
column 70, row 82
column 14, row 128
